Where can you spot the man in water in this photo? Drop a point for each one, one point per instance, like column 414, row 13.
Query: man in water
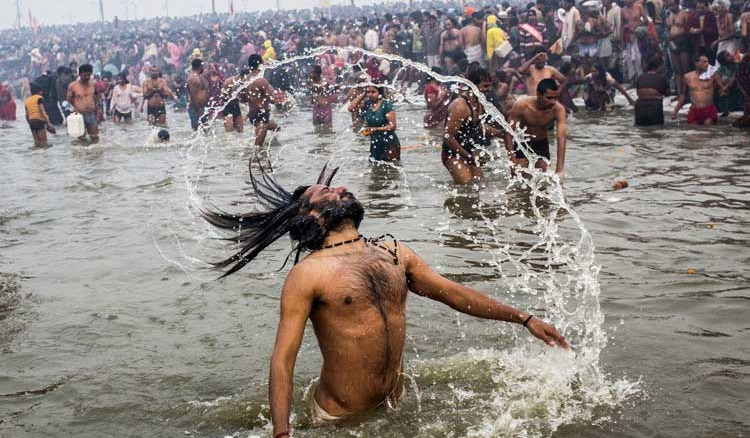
column 536, row 69
column 702, row 108
column 354, row 291
column 232, row 113
column 473, row 39
column 197, row 87
column 155, row 90
column 538, row 114
column 466, row 134
column 86, row 100
column 259, row 96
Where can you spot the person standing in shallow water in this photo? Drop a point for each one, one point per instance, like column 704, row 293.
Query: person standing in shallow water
column 537, row 115
column 353, row 290
column 380, row 124
column 466, row 134
column 702, row 107
column 652, row 87
column 85, row 99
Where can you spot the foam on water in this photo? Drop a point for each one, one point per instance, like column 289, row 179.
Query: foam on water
column 521, row 388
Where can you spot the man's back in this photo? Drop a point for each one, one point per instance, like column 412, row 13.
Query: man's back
column 359, row 318
column 472, row 35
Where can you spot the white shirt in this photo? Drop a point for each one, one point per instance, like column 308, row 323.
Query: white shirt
column 569, row 26
column 122, row 99
column 614, row 17
column 371, row 40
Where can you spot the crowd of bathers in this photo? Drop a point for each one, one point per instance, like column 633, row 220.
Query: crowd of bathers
column 692, row 50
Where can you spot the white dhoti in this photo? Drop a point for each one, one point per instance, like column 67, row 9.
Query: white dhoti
column 631, row 58
column 474, row 54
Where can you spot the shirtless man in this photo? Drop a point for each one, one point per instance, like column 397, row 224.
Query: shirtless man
column 155, row 90
column 702, row 108
column 323, row 96
column 85, row 99
column 197, row 87
column 451, row 41
column 536, row 69
column 233, row 120
column 259, row 96
column 633, row 16
column 466, row 134
column 537, row 114
column 680, row 48
column 354, row 291
column 473, row 39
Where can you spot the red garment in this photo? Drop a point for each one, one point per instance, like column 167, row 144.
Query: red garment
column 710, row 29
column 700, row 115
column 7, row 105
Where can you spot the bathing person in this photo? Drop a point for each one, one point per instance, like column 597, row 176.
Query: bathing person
column 85, row 98
column 537, row 115
column 259, row 96
column 380, row 121
column 702, row 107
column 652, row 87
column 155, row 90
column 37, row 117
column 466, row 134
column 354, row 292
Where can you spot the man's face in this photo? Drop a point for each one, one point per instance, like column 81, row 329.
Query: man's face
column 155, row 72
column 700, row 8
column 701, row 64
column 448, row 25
column 607, row 3
column 548, row 99
column 85, row 76
column 540, row 61
column 531, row 17
column 333, row 206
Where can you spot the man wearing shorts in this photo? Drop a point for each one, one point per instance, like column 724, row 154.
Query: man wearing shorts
column 259, row 96
column 537, row 114
column 702, row 108
column 197, row 87
column 155, row 90
column 85, row 99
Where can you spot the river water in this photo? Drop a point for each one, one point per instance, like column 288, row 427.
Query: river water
column 109, row 315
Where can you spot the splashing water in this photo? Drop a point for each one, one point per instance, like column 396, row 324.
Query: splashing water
column 546, row 263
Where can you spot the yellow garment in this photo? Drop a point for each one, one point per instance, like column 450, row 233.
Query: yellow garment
column 32, row 107
column 270, row 53
column 495, row 37
column 492, row 20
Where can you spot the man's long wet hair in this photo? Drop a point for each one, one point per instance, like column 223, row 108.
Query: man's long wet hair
column 285, row 212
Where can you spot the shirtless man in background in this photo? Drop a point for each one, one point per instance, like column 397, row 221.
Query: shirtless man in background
column 473, row 39
column 537, row 114
column 702, row 108
column 680, row 48
column 155, row 90
column 451, row 41
column 259, row 96
column 85, row 99
column 536, row 69
column 354, row 291
column 198, row 91
column 233, row 120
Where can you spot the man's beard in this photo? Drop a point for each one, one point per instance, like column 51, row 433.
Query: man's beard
column 335, row 215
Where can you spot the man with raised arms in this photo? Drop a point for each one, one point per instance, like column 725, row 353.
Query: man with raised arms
column 537, row 114
column 354, row 291
column 536, row 69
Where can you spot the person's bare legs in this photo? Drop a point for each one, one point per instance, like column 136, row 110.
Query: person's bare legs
column 93, row 131
column 229, row 122
column 462, row 172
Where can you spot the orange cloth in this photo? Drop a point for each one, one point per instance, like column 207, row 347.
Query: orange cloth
column 32, row 107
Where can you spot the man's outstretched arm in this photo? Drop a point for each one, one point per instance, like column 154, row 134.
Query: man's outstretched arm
column 296, row 301
column 422, row 280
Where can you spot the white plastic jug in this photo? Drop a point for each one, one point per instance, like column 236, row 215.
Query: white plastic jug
column 76, row 128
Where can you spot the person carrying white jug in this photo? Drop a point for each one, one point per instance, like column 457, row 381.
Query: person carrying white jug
column 85, row 99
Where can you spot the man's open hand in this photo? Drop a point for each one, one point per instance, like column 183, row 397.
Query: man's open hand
column 546, row 333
